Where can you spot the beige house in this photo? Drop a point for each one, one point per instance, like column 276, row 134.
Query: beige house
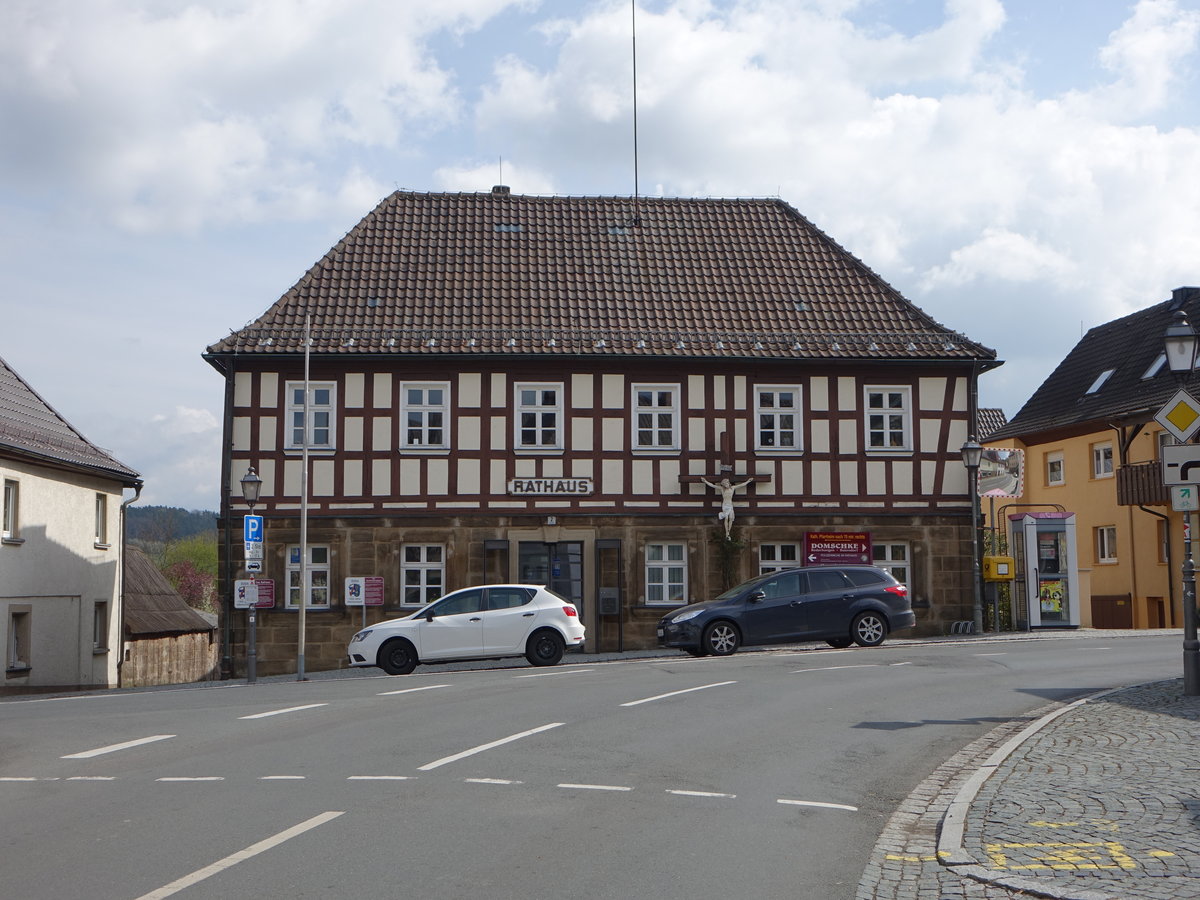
column 60, row 547
column 1093, row 448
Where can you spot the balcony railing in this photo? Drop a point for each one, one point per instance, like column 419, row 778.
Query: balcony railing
column 1141, row 484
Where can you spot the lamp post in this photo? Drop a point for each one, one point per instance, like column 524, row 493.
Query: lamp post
column 251, row 485
column 972, row 452
column 1180, row 345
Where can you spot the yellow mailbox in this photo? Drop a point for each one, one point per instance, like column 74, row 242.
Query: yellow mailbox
column 999, row 568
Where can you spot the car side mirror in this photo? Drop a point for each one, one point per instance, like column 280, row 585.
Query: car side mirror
column 756, row 596
column 429, row 616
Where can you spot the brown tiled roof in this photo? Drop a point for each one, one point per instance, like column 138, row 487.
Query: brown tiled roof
column 152, row 606
column 990, row 420
column 509, row 274
column 1074, row 399
column 30, row 427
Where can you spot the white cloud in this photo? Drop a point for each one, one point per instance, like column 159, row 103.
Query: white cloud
column 1004, row 256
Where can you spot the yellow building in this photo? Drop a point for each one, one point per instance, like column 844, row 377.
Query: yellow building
column 1093, row 448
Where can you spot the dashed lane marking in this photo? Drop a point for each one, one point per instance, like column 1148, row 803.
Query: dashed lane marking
column 491, row 781
column 113, row 748
column 379, row 778
column 559, row 672
column 702, row 794
column 437, row 763
column 192, row 778
column 428, row 687
column 835, row 668
column 818, row 804
column 595, row 787
column 241, row 856
column 280, row 712
column 283, row 778
column 703, row 687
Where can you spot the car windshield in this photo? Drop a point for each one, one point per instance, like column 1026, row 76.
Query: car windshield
column 737, row 589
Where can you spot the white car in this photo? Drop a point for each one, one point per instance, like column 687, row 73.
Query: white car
column 488, row 622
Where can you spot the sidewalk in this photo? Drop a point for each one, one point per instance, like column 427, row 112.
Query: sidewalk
column 1095, row 799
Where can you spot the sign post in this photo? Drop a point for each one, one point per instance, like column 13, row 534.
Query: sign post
column 246, row 592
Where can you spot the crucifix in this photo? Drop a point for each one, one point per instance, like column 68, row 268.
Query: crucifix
column 727, row 490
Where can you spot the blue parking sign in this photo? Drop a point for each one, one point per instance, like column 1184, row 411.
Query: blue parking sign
column 252, row 528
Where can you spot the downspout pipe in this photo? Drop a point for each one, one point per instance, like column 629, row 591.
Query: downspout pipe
column 1170, row 567
column 125, row 504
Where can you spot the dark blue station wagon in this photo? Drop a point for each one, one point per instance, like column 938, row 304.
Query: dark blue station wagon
column 835, row 604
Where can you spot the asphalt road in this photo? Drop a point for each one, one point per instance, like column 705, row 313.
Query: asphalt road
column 765, row 774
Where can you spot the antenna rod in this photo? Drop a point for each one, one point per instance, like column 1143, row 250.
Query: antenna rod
column 633, row 17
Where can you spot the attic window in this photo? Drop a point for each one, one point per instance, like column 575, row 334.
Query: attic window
column 508, row 227
column 1156, row 366
column 617, row 229
column 1099, row 382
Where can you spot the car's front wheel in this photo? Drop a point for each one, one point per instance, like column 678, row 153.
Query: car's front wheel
column 545, row 648
column 869, row 629
column 721, row 638
column 397, row 657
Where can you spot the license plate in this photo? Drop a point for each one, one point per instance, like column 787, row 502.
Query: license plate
column 660, row 632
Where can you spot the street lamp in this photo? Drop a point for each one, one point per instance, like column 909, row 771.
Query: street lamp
column 251, row 486
column 972, row 453
column 1180, row 345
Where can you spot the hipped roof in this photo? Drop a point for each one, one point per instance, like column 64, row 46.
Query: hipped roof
column 477, row 274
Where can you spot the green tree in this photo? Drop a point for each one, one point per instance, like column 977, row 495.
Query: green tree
column 190, row 564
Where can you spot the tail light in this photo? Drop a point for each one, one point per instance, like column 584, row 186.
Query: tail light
column 898, row 589
column 570, row 611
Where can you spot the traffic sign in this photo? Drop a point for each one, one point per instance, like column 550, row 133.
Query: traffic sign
column 1185, row 498
column 254, row 551
column 1180, row 416
column 252, row 529
column 1181, row 464
column 254, row 592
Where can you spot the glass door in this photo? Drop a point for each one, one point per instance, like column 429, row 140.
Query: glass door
column 558, row 566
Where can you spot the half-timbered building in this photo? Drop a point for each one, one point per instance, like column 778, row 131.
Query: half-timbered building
column 551, row 389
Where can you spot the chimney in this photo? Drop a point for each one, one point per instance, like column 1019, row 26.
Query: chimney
column 500, row 190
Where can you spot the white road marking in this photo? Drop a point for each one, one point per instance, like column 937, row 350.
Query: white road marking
column 1004, row 653
column 560, row 672
column 818, row 804
column 701, row 794
column 491, row 781
column 283, row 778
column 702, row 687
column 14, row 778
column 900, row 664
column 241, row 856
column 1089, row 649
column 92, row 778
column 512, row 737
column 193, row 778
column 596, row 787
column 835, row 668
column 379, row 778
column 280, row 712
column 428, row 687
column 113, row 748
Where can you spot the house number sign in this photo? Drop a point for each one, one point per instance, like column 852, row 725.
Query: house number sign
column 539, row 487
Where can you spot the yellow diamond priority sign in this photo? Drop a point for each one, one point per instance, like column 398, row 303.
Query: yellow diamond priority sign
column 1180, row 416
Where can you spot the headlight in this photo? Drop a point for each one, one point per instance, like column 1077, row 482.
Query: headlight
column 361, row 636
column 684, row 616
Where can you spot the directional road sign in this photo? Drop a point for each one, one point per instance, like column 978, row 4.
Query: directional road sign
column 1185, row 497
column 1181, row 464
column 1180, row 416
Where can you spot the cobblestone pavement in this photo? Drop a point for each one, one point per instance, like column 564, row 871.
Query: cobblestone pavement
column 1095, row 799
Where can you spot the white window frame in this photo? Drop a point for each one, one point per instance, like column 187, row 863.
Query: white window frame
column 100, row 626
column 425, row 409
column 1052, row 458
column 101, row 521
column 1100, row 380
column 774, row 412
column 317, row 576
column 18, row 651
column 1106, row 544
column 10, row 530
column 895, row 558
column 884, row 412
column 539, row 410
column 774, row 557
column 1102, row 461
column 323, row 415
column 656, row 410
column 666, row 573
column 422, row 568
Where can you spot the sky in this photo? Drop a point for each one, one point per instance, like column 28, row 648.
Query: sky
column 1021, row 170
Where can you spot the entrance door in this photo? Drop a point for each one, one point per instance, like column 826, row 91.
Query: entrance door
column 558, row 566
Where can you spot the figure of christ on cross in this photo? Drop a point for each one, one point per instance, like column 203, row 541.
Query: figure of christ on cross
column 727, row 490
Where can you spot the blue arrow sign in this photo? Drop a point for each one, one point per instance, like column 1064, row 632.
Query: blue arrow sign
column 252, row 528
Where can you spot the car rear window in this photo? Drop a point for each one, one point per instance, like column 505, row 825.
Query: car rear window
column 825, row 580
column 864, row 577
column 508, row 597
